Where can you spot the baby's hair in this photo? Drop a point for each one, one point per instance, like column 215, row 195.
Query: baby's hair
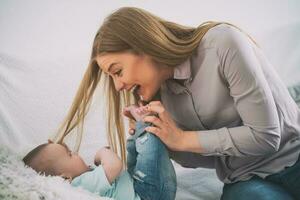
column 33, row 153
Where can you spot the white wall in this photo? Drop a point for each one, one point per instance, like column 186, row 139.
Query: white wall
column 52, row 29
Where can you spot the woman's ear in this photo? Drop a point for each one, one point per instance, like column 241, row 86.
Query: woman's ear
column 68, row 178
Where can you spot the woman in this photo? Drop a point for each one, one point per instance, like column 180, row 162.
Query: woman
column 219, row 102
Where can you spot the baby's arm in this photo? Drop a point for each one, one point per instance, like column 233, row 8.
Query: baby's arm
column 111, row 163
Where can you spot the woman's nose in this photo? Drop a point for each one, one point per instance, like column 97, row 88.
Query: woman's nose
column 119, row 85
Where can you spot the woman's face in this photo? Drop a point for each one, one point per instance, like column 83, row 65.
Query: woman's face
column 134, row 72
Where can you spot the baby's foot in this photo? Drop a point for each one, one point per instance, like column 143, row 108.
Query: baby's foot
column 137, row 112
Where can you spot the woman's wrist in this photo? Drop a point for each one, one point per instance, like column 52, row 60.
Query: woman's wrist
column 190, row 142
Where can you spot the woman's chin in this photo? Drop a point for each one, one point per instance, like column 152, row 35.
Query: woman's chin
column 146, row 97
column 149, row 98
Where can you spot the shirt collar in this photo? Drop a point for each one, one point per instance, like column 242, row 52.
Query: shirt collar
column 181, row 72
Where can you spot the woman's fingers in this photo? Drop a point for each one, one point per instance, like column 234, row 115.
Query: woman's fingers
column 131, row 131
column 154, row 107
column 131, row 127
column 158, row 108
column 154, row 120
column 155, row 130
column 131, row 123
column 164, row 126
column 127, row 113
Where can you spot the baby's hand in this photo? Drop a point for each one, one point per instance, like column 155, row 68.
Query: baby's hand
column 137, row 112
column 99, row 155
column 110, row 162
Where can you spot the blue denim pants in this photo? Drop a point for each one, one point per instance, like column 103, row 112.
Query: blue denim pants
column 284, row 185
column 149, row 164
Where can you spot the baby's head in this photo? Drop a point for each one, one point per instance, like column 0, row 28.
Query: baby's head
column 56, row 160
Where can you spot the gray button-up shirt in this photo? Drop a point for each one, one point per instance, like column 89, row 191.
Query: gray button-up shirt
column 246, row 120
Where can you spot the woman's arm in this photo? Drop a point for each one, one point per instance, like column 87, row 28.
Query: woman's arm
column 110, row 162
column 253, row 99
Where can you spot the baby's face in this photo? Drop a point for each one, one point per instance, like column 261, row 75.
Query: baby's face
column 64, row 162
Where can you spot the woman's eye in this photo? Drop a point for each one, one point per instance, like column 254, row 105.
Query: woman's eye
column 118, row 73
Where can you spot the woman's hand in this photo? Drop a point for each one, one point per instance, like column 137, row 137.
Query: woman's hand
column 131, row 121
column 165, row 128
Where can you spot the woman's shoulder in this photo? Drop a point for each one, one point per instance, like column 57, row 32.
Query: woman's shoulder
column 224, row 35
column 223, row 31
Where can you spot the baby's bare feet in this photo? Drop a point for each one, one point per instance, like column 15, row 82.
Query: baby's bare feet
column 137, row 112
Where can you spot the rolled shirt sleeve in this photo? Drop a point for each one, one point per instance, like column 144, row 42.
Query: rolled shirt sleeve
column 241, row 70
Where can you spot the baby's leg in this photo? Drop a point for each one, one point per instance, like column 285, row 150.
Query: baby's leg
column 154, row 175
column 131, row 154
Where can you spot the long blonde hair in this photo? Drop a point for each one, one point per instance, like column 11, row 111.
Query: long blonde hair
column 139, row 31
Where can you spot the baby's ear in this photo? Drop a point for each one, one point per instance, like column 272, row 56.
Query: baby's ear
column 68, row 178
column 50, row 141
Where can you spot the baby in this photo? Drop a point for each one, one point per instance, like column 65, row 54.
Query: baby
column 150, row 174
